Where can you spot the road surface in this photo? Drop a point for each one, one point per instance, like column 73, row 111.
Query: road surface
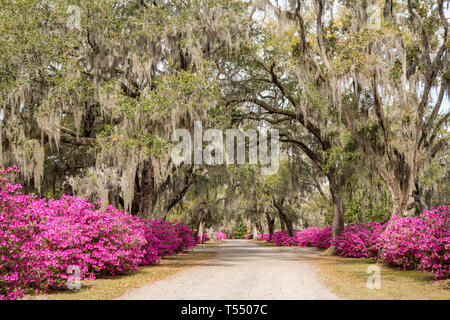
column 244, row 270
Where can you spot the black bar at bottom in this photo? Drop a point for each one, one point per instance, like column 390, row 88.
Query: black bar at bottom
column 223, row 309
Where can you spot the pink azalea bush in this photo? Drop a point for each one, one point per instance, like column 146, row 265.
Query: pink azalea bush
column 203, row 238
column 315, row 237
column 221, row 235
column 359, row 240
column 265, row 237
column 281, row 238
column 186, row 235
column 309, row 237
column 164, row 238
column 421, row 243
column 418, row 243
column 40, row 239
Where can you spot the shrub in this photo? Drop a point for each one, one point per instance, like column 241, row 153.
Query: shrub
column 40, row 239
column 203, row 238
column 165, row 238
column 359, row 240
column 314, row 237
column 281, row 238
column 310, row 237
column 221, row 235
column 152, row 248
column 421, row 243
column 239, row 231
column 186, row 235
column 266, row 236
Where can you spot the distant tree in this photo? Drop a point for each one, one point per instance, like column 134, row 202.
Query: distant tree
column 239, row 231
column 93, row 90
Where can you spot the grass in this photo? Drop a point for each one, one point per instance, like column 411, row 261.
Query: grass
column 106, row 288
column 347, row 278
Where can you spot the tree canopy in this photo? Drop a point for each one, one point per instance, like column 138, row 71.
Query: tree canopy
column 91, row 92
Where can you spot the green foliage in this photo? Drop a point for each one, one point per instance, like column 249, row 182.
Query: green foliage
column 112, row 92
column 362, row 210
column 239, row 231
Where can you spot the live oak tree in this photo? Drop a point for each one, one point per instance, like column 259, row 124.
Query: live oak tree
column 288, row 190
column 270, row 82
column 94, row 90
column 398, row 90
column 384, row 66
column 90, row 93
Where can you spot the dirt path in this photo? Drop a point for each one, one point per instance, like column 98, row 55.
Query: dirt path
column 242, row 270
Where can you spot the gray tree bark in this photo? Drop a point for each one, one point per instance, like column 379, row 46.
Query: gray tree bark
column 147, row 199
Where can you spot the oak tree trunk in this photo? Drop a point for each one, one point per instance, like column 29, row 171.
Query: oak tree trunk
column 271, row 224
column 337, row 196
column 285, row 219
column 147, row 190
column 419, row 197
column 403, row 203
column 282, row 224
column 201, row 229
column 338, row 214
column 260, row 228
column 254, row 231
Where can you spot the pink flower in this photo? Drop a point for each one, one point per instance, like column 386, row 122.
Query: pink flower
column 40, row 239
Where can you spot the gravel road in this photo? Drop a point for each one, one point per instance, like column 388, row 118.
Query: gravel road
column 242, row 270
